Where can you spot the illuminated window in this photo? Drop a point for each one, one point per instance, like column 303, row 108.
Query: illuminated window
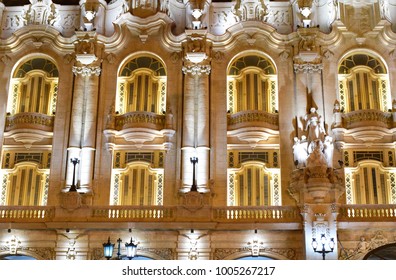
column 25, row 178
column 370, row 183
column 253, row 185
column 34, row 88
column 27, row 185
column 135, row 179
column 252, row 85
column 363, row 83
column 142, row 86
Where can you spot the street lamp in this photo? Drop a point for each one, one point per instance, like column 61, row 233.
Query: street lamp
column 323, row 240
column 73, row 187
column 194, row 161
column 131, row 248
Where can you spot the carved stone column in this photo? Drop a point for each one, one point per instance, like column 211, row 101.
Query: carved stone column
column 82, row 136
column 195, row 141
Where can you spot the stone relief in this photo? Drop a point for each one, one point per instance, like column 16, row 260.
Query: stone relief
column 365, row 245
column 223, row 253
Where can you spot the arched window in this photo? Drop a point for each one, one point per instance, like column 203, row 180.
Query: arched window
column 370, row 183
column 253, row 185
column 363, row 83
column 252, row 85
column 34, row 88
column 137, row 179
column 25, row 185
column 142, row 86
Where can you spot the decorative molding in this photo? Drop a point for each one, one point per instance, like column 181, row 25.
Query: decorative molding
column 196, row 69
column 308, row 68
column 224, row 253
column 363, row 246
column 86, row 70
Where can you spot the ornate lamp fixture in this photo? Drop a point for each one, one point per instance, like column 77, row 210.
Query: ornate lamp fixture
column 73, row 187
column 131, row 249
column 323, row 241
column 194, row 161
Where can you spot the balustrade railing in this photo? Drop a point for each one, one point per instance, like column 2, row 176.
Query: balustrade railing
column 36, row 213
column 155, row 213
column 29, row 120
column 246, row 117
column 367, row 212
column 139, row 119
column 367, row 117
column 262, row 214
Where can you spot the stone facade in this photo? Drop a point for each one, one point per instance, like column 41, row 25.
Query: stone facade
column 287, row 107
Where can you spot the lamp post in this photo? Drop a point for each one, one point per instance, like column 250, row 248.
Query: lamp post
column 323, row 240
column 73, row 185
column 194, row 161
column 131, row 249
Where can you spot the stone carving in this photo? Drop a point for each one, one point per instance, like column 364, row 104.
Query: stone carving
column 364, row 246
column 223, row 253
column 314, row 125
column 40, row 12
column 244, row 10
column 313, row 158
column 300, row 151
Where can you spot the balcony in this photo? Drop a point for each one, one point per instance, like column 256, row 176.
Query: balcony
column 364, row 118
column 30, row 121
column 140, row 128
column 29, row 128
column 140, row 120
column 253, row 126
column 364, row 125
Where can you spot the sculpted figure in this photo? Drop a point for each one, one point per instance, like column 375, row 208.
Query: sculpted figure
column 314, row 125
column 300, row 151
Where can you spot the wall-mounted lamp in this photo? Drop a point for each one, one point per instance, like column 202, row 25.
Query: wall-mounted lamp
column 323, row 241
column 73, row 187
column 131, row 249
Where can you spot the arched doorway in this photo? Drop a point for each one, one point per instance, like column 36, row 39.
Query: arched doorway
column 386, row 252
column 16, row 257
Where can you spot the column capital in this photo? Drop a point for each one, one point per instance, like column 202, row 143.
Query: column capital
column 308, row 67
column 86, row 70
column 196, row 69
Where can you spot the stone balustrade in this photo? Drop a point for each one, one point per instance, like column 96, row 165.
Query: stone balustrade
column 153, row 213
column 367, row 118
column 140, row 120
column 367, row 212
column 261, row 214
column 20, row 213
column 259, row 118
column 268, row 214
column 30, row 120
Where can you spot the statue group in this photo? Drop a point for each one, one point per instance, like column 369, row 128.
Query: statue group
column 316, row 148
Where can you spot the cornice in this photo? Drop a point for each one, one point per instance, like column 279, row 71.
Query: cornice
column 37, row 35
column 253, row 30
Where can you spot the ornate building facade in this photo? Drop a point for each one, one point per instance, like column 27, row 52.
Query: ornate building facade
column 201, row 129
